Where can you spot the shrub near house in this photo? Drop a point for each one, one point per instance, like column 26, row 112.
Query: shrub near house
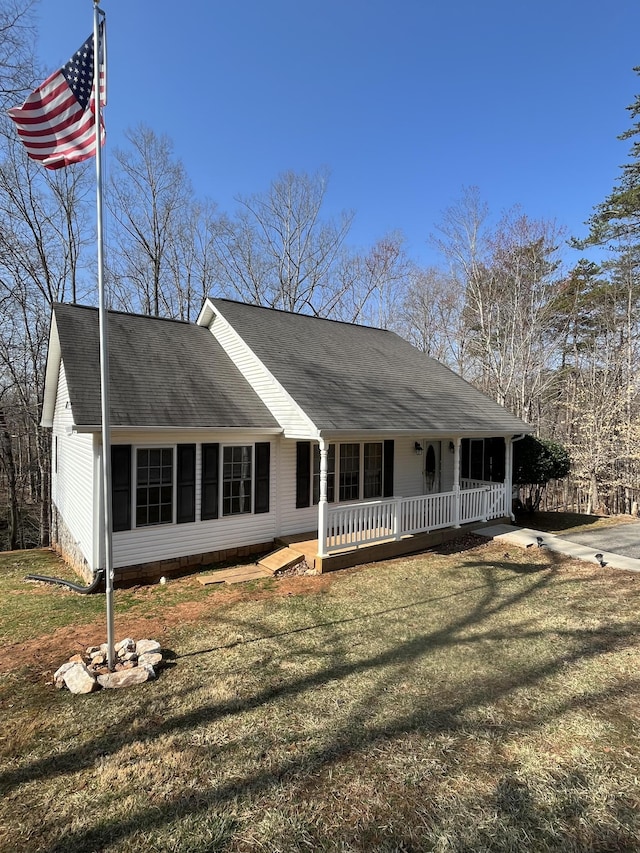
column 536, row 461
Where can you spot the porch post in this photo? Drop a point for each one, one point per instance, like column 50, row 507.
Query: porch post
column 322, row 503
column 457, row 445
column 508, row 478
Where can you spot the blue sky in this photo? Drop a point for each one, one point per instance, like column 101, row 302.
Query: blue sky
column 405, row 101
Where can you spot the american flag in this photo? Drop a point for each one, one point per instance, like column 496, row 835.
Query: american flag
column 57, row 121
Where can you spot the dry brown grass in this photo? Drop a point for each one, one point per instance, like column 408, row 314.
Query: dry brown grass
column 480, row 701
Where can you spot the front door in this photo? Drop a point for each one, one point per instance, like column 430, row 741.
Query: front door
column 431, row 467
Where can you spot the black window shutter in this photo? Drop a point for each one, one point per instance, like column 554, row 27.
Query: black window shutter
column 186, row 483
column 210, row 468
column 387, row 462
column 465, row 458
column 121, row 486
column 303, row 474
column 263, row 456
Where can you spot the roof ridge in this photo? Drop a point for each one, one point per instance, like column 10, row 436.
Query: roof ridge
column 298, row 314
column 117, row 312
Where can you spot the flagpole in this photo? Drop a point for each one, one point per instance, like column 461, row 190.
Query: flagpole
column 99, row 15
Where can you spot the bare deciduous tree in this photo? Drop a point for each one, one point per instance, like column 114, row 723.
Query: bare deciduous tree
column 149, row 199
column 279, row 251
column 431, row 316
column 17, row 33
column 42, row 241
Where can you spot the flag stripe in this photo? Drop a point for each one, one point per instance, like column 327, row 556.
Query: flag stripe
column 56, row 123
column 45, row 141
column 76, row 141
column 67, row 113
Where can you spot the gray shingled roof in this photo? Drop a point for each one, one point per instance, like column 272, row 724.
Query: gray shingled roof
column 348, row 377
column 163, row 373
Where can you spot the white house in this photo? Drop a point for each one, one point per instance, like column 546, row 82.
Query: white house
column 255, row 425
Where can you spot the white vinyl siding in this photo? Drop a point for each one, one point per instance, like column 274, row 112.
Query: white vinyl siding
column 409, row 467
column 446, row 461
column 280, row 404
column 72, row 476
column 291, row 519
column 171, row 541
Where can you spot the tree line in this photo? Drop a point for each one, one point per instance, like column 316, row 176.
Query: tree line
column 546, row 332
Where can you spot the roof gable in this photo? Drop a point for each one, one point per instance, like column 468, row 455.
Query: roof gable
column 163, row 373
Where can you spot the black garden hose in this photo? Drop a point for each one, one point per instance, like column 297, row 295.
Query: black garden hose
column 94, row 586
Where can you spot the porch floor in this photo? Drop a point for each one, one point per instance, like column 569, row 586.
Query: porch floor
column 307, row 544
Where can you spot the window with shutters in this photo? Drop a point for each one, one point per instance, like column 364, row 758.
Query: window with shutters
column 349, row 472
column 154, row 486
column 483, row 459
column 354, row 469
column 236, row 479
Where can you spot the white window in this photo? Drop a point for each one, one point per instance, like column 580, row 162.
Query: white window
column 360, row 471
column 236, row 479
column 154, row 486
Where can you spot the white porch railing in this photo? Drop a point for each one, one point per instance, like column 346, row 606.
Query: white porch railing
column 355, row 525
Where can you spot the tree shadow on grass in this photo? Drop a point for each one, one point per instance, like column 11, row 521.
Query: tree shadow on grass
column 551, row 522
column 519, row 820
column 488, row 605
column 437, row 713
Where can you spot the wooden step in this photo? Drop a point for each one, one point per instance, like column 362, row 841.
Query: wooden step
column 237, row 575
column 281, row 559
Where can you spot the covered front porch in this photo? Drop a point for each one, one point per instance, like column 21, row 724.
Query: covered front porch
column 422, row 486
column 383, row 529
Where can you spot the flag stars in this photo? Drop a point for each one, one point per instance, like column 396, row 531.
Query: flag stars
column 79, row 72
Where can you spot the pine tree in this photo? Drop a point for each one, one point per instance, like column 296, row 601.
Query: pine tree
column 616, row 220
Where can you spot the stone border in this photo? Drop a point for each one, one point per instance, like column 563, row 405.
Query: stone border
column 87, row 673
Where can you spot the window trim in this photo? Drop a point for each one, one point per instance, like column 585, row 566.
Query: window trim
column 228, row 446
column 134, row 485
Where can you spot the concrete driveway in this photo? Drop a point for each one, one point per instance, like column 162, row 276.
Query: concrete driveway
column 619, row 544
column 623, row 539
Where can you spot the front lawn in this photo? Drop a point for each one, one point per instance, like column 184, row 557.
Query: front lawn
column 485, row 700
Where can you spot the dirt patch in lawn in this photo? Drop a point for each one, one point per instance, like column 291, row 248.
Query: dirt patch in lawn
column 43, row 654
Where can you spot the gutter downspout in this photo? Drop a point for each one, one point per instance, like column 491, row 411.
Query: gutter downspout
column 94, row 586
